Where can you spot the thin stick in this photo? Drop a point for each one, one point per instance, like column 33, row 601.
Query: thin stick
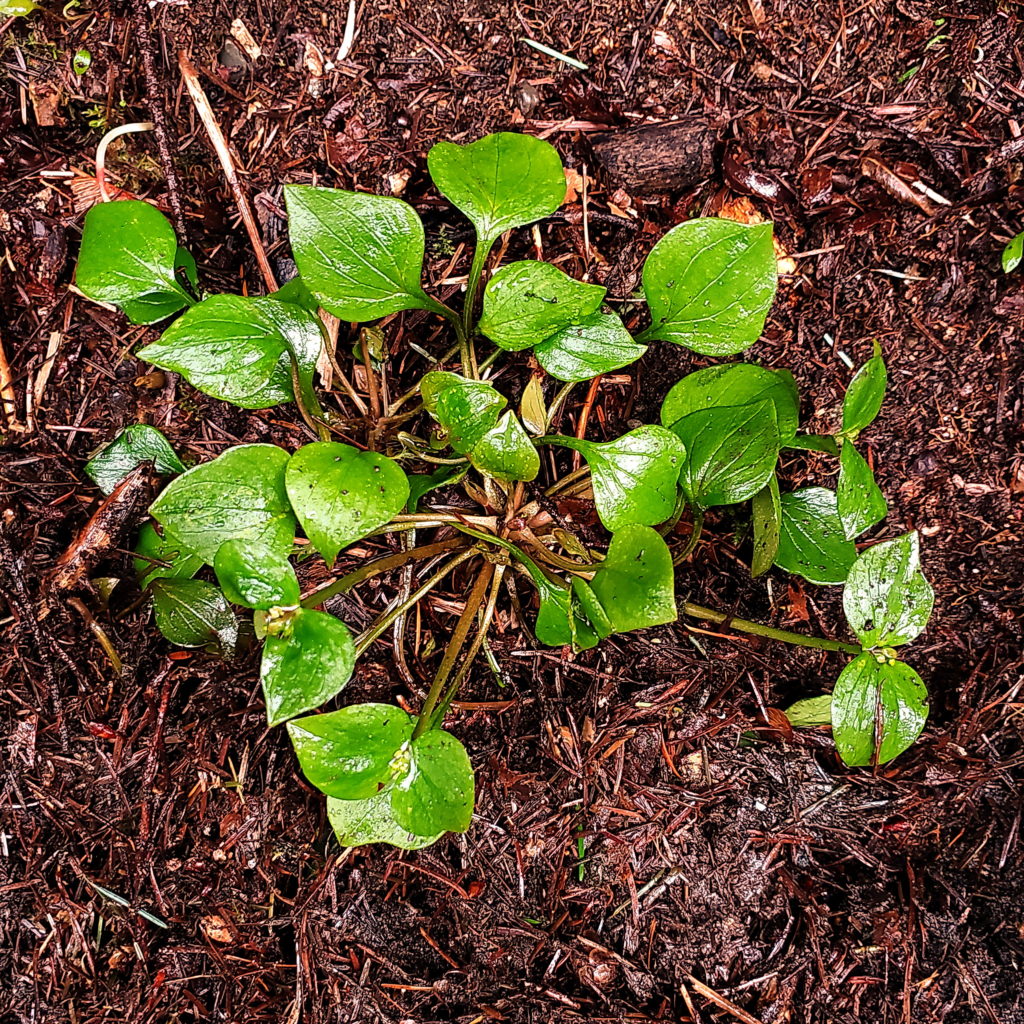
column 220, row 145
column 8, row 398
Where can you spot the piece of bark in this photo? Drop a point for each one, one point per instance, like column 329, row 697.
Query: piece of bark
column 666, row 157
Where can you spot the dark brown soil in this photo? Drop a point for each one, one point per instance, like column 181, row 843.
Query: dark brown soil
column 728, row 873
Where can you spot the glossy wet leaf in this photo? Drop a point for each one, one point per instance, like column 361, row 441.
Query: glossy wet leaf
column 180, row 564
column 134, row 445
column 506, row 452
column 436, row 792
column 887, row 599
column 193, row 613
column 127, row 258
column 635, row 477
column 735, row 384
column 811, row 713
column 597, row 344
column 502, row 181
column 421, row 484
column 341, row 494
column 865, row 394
column 239, row 495
column 766, row 515
column 812, row 542
column 528, row 301
column 240, row 349
column 1013, row 254
column 814, row 443
column 877, row 701
column 731, row 452
column 361, row 255
column 591, row 609
column 860, row 501
column 466, row 409
column 533, row 410
column 306, row 666
column 348, row 754
column 709, row 284
column 559, row 622
column 361, row 822
column 255, row 576
column 296, row 292
column 636, row 581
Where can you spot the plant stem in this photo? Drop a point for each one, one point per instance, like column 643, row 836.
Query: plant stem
column 746, row 626
column 698, row 525
column 476, row 270
column 462, row 627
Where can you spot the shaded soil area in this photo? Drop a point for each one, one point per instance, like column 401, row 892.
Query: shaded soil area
column 645, row 847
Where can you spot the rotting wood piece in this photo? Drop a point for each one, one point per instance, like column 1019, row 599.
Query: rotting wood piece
column 658, row 158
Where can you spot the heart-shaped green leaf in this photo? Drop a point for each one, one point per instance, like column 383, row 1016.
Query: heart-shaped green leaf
column 240, row 349
column 240, row 494
column 506, row 452
column 150, row 545
column 636, row 581
column 435, row 794
column 132, row 446
column 349, row 754
column 865, row 394
column 812, row 542
column 597, row 344
column 735, row 384
column 887, row 599
column 860, row 501
column 361, row 822
column 877, row 701
column 709, row 284
column 192, row 613
column 341, row 494
column 255, row 576
column 634, row 477
column 766, row 509
column 128, row 257
column 731, row 452
column 360, row 255
column 466, row 409
column 501, row 181
column 528, row 301
column 811, row 713
column 305, row 666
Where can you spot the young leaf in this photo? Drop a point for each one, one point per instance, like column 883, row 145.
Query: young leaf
column 1013, row 253
column 528, row 301
column 879, row 702
column 887, row 599
column 811, row 713
column 591, row 608
column 127, row 257
column 350, row 754
column 502, row 181
column 296, row 292
column 306, row 666
column 634, row 477
column 767, row 518
column 736, row 384
column 636, row 581
column 533, row 409
column 731, row 452
column 360, row 255
column 255, row 576
column 191, row 613
column 421, row 484
column 435, row 794
column 506, row 452
column 361, row 822
column 558, row 622
column 240, row 494
column 865, row 394
column 240, row 349
column 860, row 501
column 132, row 446
column 181, row 565
column 709, row 284
column 341, row 494
column 814, row 443
column 812, row 542
column 466, row 409
column 596, row 344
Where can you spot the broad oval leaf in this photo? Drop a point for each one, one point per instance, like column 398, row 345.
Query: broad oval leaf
column 361, row 822
column 192, row 613
column 153, row 548
column 812, row 542
column 128, row 257
column 766, row 513
column 877, row 702
column 865, row 394
column 810, row 713
column 736, row 384
column 240, row 494
column 597, row 344
column 887, row 599
column 134, row 445
column 709, row 284
column 341, row 494
column 307, row 666
column 501, row 181
column 240, row 349
column 255, row 576
column 528, row 301
column 860, row 501
column 466, row 409
column 636, row 581
column 635, row 477
column 361, row 255
column 436, row 792
column 506, row 452
column 731, row 452
column 349, row 754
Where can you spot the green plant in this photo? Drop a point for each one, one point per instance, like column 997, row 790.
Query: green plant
column 394, row 777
